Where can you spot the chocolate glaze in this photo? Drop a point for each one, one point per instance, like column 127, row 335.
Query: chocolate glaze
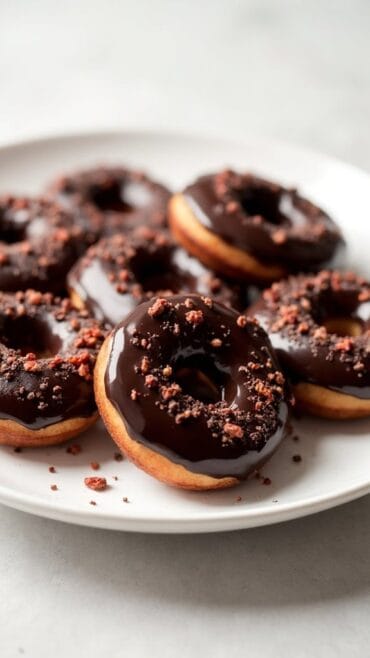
column 198, row 384
column 272, row 223
column 120, row 272
column 39, row 243
column 47, row 355
column 294, row 313
column 108, row 200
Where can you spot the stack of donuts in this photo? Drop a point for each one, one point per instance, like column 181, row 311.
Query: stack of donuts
column 120, row 298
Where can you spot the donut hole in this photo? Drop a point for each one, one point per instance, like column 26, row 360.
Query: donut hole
column 200, row 377
column 275, row 207
column 27, row 335
column 122, row 197
column 158, row 273
column 260, row 201
column 343, row 326
column 154, row 274
column 13, row 230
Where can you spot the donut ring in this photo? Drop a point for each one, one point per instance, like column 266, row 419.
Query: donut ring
column 251, row 228
column 191, row 392
column 47, row 356
column 109, row 200
column 121, row 271
column 39, row 242
column 320, row 328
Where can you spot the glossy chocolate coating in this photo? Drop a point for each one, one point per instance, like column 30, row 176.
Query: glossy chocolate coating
column 188, row 344
column 39, row 243
column 47, row 354
column 151, row 264
column 294, row 313
column 112, row 199
column 272, row 223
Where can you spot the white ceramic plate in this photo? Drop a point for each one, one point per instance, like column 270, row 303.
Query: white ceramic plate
column 335, row 465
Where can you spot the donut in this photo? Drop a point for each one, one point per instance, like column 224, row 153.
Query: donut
column 112, row 199
column 39, row 242
column 121, row 271
column 191, row 392
column 319, row 326
column 247, row 227
column 47, row 355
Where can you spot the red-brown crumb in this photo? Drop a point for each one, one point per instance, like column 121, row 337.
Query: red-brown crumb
column 95, row 483
column 233, row 430
column 74, row 449
column 53, row 487
column 118, row 456
column 242, row 321
column 92, row 502
column 194, row 317
column 159, row 306
column 279, row 236
column 266, row 481
column 95, row 466
column 125, row 499
column 52, row 469
column 297, row 458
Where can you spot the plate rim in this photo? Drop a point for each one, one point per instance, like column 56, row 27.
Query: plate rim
column 196, row 522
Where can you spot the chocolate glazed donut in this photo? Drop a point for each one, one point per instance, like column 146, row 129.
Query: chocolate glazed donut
column 245, row 226
column 47, row 355
column 320, row 328
column 120, row 272
column 39, row 242
column 191, row 391
column 110, row 200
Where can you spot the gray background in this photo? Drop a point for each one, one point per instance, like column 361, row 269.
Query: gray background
column 289, row 69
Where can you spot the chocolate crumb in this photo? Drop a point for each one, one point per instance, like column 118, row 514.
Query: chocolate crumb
column 194, row 317
column 52, row 469
column 242, row 321
column 118, row 456
column 74, row 449
column 233, row 430
column 159, row 306
column 95, row 483
column 297, row 458
column 53, row 487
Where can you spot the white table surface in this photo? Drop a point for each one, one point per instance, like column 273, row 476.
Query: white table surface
column 290, row 69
